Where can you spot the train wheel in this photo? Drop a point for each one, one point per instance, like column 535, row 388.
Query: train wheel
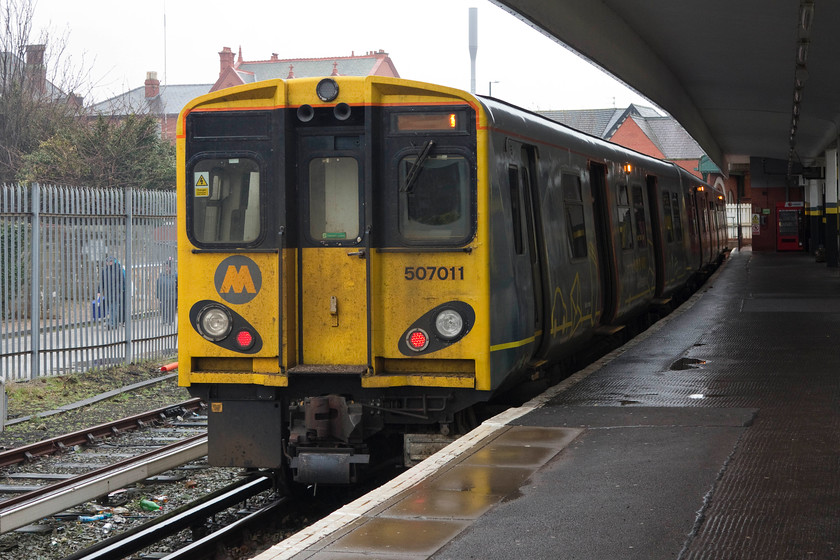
column 465, row 420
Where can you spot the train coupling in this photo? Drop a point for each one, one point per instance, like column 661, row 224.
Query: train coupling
column 326, row 440
column 327, row 465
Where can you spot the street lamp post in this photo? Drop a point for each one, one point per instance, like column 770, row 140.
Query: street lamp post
column 490, row 87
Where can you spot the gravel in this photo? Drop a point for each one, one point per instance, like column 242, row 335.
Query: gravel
column 29, row 413
column 59, row 536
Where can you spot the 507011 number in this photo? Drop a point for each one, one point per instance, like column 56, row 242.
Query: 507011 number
column 434, row 273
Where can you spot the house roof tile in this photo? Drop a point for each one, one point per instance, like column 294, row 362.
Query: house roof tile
column 666, row 133
column 169, row 101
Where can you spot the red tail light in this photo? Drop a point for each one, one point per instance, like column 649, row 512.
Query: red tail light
column 244, row 339
column 417, row 339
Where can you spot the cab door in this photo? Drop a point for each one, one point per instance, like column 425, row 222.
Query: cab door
column 332, row 269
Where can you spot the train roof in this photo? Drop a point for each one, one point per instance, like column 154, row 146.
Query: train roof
column 505, row 114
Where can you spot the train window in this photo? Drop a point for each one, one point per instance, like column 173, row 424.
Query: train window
column 623, row 196
column 515, row 210
column 226, row 200
column 675, row 208
column 333, row 198
column 434, row 198
column 529, row 217
column 574, row 215
column 666, row 212
column 639, row 212
column 625, row 221
column 712, row 217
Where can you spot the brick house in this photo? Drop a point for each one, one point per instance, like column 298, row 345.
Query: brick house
column 166, row 101
column 237, row 72
column 31, row 70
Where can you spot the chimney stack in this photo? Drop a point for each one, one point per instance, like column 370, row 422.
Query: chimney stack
column 152, row 85
column 225, row 59
column 36, row 71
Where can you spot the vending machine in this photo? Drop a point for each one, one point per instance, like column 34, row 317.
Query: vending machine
column 790, row 235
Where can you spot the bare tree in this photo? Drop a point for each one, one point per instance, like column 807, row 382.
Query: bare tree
column 39, row 89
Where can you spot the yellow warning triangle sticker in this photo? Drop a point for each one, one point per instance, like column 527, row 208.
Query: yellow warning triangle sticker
column 201, row 182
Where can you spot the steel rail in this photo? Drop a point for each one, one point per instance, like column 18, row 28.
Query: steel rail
column 89, row 435
column 191, row 515
column 30, row 507
column 206, row 547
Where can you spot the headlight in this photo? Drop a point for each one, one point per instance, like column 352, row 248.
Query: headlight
column 214, row 323
column 449, row 324
column 327, row 89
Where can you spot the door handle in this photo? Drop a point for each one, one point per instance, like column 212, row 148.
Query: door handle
column 360, row 253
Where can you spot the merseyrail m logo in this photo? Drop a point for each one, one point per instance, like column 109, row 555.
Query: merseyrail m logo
column 238, row 279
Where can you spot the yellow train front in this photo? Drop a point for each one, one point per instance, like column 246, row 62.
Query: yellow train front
column 334, row 268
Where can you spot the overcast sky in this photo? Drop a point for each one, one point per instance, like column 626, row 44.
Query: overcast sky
column 427, row 40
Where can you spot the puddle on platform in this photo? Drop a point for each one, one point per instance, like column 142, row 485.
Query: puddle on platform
column 428, row 502
column 392, row 537
column 687, row 363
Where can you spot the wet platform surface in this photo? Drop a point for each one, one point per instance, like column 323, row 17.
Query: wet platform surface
column 714, row 435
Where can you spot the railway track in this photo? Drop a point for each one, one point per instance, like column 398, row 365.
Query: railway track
column 94, row 434
column 34, row 505
column 90, row 482
column 190, row 517
column 49, row 486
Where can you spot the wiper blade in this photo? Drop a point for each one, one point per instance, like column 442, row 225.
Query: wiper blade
column 418, row 165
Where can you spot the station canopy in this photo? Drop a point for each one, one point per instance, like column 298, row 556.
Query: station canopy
column 746, row 78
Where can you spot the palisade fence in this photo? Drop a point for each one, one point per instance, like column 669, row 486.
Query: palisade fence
column 62, row 308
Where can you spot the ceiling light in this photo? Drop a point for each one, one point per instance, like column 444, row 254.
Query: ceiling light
column 806, row 16
column 801, row 75
column 802, row 52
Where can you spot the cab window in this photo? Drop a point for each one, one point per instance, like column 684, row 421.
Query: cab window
column 225, row 200
column 334, row 198
column 434, row 201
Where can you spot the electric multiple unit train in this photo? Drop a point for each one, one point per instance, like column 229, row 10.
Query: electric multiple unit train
column 365, row 257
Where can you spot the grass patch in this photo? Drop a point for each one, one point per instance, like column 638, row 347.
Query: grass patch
column 29, row 398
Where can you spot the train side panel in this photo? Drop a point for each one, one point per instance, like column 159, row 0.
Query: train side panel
column 544, row 259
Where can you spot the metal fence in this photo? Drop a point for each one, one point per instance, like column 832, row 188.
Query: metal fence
column 739, row 214
column 87, row 278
